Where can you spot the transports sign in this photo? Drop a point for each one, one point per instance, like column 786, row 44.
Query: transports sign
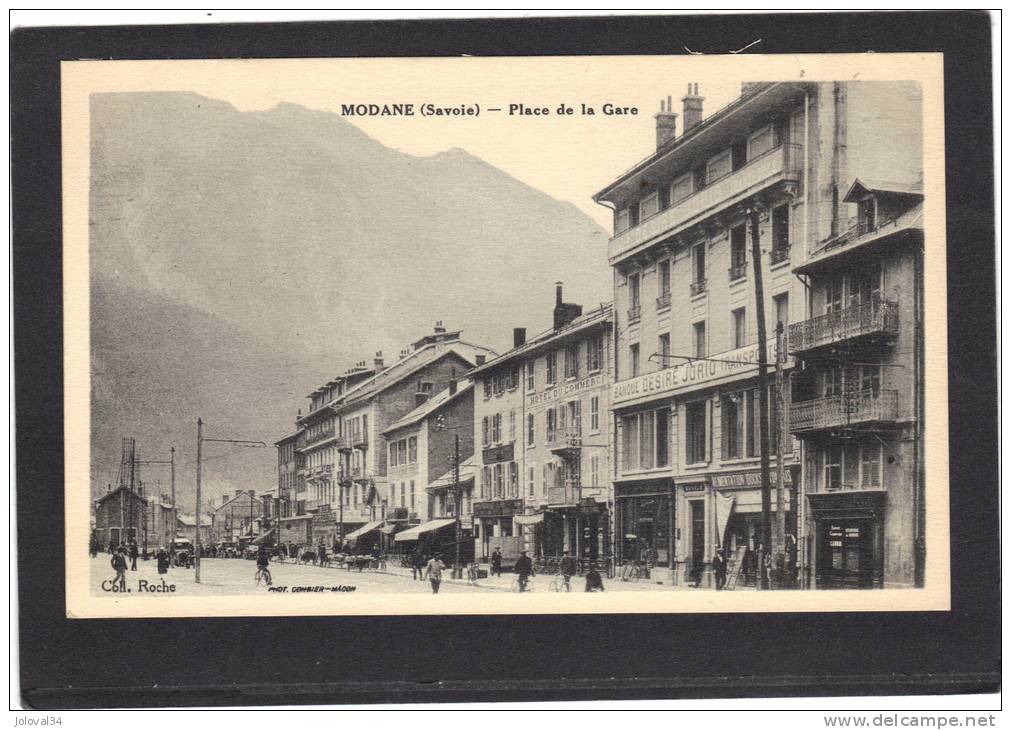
column 692, row 374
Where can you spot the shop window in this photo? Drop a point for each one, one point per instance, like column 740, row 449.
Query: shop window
column 662, row 437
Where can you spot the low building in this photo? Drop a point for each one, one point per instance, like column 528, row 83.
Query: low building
column 120, row 517
column 187, row 528
column 237, row 518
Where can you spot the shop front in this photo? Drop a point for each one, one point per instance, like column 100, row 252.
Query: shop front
column 848, row 538
column 296, row 530
column 582, row 528
column 496, row 521
column 324, row 527
column 644, row 520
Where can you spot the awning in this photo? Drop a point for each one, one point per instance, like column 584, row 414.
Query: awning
column 415, row 533
column 389, row 529
column 529, row 519
column 364, row 530
column 263, row 537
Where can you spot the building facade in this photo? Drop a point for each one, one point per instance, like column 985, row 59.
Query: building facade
column 771, row 168
column 542, row 424
column 121, row 517
column 237, row 517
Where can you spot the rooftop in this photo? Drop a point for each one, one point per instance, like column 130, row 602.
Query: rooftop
column 431, row 405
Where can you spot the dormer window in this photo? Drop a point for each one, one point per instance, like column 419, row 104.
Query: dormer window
column 648, row 206
column 867, row 214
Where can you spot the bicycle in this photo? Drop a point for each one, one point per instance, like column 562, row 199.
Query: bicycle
column 521, row 584
column 263, row 573
column 561, row 583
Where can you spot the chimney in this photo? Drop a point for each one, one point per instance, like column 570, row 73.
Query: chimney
column 420, row 398
column 692, row 107
column 519, row 336
column 564, row 313
column 479, row 359
column 439, row 329
column 452, row 381
column 666, row 123
column 252, row 493
column 238, row 492
column 377, row 363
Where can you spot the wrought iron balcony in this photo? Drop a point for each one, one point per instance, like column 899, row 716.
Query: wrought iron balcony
column 566, row 441
column 321, row 436
column 344, row 443
column 778, row 254
column 663, row 301
column 876, row 317
column 781, row 164
column 840, row 411
column 698, row 287
column 634, row 313
column 360, row 440
column 737, row 271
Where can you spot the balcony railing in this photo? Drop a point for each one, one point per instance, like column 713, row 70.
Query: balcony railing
column 779, row 254
column 344, row 443
column 316, row 438
column 876, row 316
column 848, row 487
column 839, row 411
column 634, row 313
column 737, row 271
column 779, row 164
column 360, row 440
column 663, row 301
column 569, row 439
column 698, row 287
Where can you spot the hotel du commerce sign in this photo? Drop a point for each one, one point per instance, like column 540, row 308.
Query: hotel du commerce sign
column 550, row 395
column 693, row 374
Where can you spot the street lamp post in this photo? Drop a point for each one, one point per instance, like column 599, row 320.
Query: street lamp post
column 457, row 493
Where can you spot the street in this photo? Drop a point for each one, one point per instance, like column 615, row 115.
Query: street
column 235, row 576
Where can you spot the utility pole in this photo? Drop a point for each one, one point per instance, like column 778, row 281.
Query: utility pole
column 457, row 496
column 175, row 514
column 196, row 542
column 763, row 393
column 780, row 542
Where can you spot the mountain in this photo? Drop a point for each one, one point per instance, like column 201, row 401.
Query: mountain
column 310, row 244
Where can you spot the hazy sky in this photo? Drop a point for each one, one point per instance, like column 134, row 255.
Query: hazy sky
column 569, row 157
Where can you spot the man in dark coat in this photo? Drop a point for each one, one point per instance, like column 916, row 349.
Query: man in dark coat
column 567, row 567
column 418, row 564
column 496, row 562
column 524, row 569
column 118, row 562
column 720, row 569
column 133, row 555
column 593, row 580
column 163, row 561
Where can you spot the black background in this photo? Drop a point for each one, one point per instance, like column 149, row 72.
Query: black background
column 101, row 663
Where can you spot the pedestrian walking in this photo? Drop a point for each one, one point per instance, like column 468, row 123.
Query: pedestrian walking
column 434, row 572
column 524, row 569
column 322, row 555
column 496, row 562
column 593, row 580
column 163, row 561
column 133, row 555
column 418, row 564
column 119, row 565
column 567, row 567
column 720, row 569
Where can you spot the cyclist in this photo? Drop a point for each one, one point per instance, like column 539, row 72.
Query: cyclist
column 524, row 569
column 262, row 567
column 567, row 568
column 593, row 580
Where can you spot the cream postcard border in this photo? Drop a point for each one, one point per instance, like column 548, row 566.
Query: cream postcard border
column 81, row 78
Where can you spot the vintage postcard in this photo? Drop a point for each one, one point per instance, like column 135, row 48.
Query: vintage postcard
column 505, row 335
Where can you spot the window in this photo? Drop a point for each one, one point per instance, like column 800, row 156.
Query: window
column 486, row 483
column 864, row 285
column 681, row 188
column 512, row 425
column 696, row 437
column 552, row 367
column 734, row 418
column 530, row 481
column 662, row 416
column 718, row 167
column 530, row 375
column 739, row 155
column 699, row 339
column 834, row 295
column 648, row 206
column 393, row 453
column 630, row 442
column 663, row 283
column 633, row 297
column 550, row 423
column 740, row 328
column 663, row 195
column 403, row 494
column 514, row 479
column 594, row 471
column 594, row 353
column 484, row 431
column 487, row 387
column 594, row 414
column 572, row 361
column 782, row 304
column 496, row 428
column 780, row 234
column 663, row 349
column 699, row 268
column 412, row 495
column 870, row 466
column 402, row 452
column 866, row 215
column 576, row 417
column 645, row 442
column 530, row 429
column 499, row 481
column 633, row 215
column 738, row 252
column 545, row 478
column 633, row 360
column 833, row 467
column 412, row 450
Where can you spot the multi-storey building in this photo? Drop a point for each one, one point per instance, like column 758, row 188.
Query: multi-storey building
column 541, row 419
column 341, row 450
column 420, row 449
column 858, row 403
column 237, row 517
column 159, row 530
column 294, row 521
column 775, row 163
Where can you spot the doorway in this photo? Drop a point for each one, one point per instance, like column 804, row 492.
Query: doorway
column 846, row 554
column 698, row 546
